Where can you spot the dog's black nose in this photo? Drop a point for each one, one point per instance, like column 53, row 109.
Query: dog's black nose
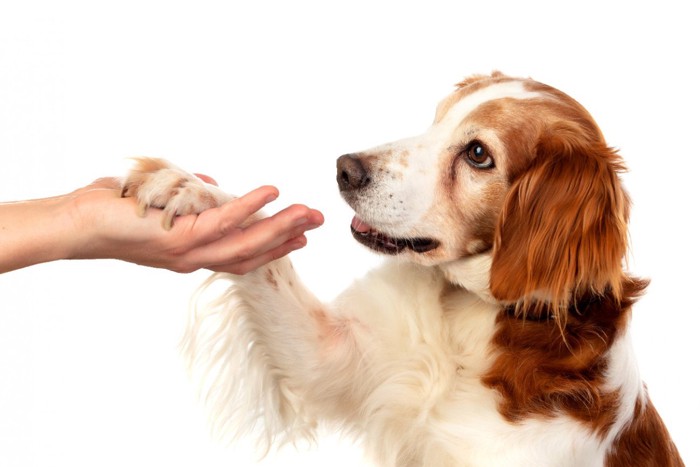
column 352, row 174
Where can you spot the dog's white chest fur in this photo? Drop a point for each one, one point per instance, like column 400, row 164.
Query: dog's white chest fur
column 427, row 404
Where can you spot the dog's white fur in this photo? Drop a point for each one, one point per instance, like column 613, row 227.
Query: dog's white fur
column 393, row 361
column 397, row 359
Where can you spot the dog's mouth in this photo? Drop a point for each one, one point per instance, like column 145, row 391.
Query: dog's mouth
column 382, row 243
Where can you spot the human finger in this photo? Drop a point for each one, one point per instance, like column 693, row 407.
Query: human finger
column 215, row 223
column 258, row 238
column 232, row 214
column 244, row 267
column 207, row 179
column 270, row 232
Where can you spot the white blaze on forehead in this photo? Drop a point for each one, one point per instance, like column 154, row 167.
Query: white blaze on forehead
column 470, row 102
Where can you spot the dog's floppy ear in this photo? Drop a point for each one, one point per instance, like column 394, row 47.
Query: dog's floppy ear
column 563, row 228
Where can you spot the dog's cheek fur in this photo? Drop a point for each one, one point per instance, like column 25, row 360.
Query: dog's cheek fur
column 467, row 209
column 479, row 225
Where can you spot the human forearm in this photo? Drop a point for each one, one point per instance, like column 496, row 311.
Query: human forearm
column 33, row 232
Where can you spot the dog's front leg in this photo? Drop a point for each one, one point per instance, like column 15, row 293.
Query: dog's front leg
column 278, row 358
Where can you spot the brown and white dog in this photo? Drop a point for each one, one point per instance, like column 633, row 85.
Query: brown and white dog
column 497, row 333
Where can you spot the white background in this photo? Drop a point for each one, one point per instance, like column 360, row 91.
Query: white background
column 272, row 94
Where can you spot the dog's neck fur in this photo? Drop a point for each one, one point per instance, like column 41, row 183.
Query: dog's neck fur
column 473, row 273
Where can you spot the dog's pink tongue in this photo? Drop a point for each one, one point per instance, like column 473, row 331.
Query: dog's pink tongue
column 360, row 226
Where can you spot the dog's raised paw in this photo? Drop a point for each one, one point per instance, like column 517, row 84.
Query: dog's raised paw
column 158, row 183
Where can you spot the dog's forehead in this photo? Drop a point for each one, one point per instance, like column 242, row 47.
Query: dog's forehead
column 455, row 107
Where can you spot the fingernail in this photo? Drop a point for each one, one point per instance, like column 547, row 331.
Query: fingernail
column 270, row 199
column 301, row 221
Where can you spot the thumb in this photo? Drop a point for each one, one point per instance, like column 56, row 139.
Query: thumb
column 207, row 179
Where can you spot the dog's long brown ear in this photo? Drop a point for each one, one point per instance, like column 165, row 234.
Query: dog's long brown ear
column 563, row 228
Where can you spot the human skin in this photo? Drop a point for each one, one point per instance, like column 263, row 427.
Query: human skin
column 96, row 222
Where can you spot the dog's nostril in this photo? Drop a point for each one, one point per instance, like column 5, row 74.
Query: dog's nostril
column 352, row 174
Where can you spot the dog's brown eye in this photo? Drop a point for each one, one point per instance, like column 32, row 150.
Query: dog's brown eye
column 478, row 156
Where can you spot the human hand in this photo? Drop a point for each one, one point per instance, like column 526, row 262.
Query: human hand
column 216, row 239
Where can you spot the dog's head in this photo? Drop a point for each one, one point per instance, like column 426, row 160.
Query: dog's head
column 510, row 168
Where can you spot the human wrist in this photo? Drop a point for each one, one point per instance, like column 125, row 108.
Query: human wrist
column 57, row 224
column 78, row 228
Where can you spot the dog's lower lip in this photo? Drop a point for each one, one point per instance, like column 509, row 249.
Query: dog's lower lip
column 385, row 244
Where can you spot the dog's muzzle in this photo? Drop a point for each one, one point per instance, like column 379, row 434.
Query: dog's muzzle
column 353, row 176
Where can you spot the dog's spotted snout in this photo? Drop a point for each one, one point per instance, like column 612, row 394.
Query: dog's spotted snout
column 352, row 173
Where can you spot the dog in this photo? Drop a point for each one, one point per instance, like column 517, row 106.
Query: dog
column 497, row 331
